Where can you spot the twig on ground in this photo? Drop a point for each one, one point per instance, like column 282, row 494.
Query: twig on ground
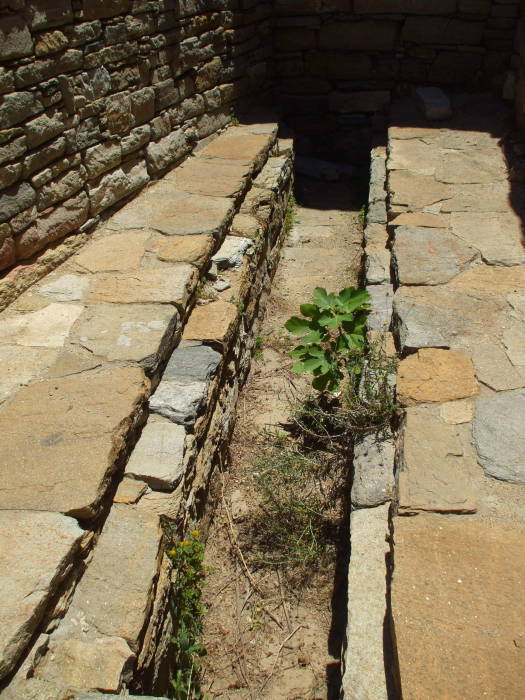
column 283, row 603
column 286, row 639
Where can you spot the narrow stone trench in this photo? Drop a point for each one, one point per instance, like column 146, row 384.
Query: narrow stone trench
column 266, row 636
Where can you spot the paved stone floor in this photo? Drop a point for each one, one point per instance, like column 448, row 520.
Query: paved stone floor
column 459, row 319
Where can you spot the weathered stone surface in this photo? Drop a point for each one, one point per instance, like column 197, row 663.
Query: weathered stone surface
column 46, row 327
column 189, row 249
column 433, row 102
column 232, row 252
column 178, row 400
column 420, row 220
column 102, row 157
column 18, row 106
column 164, row 208
column 494, row 368
column 43, row 128
column 364, row 663
column 22, row 364
column 436, row 474
column 134, row 332
column 119, row 251
column 168, row 285
column 498, row 237
column 129, row 491
column 37, row 551
column 493, row 197
column 377, row 264
column 444, row 317
column 63, row 437
column 417, row 191
column 51, row 42
column 168, row 150
column 211, row 322
column 373, row 471
column 158, row 455
column 15, row 38
column 44, row 13
column 455, row 592
column 457, row 412
column 196, row 363
column 66, row 288
column 104, row 663
column 60, row 188
column 238, row 144
column 380, row 316
column 117, row 184
column 210, row 176
column 419, row 156
column 67, row 217
column 433, row 375
column 498, row 430
column 472, row 167
column 514, row 341
column 115, row 595
column 15, row 200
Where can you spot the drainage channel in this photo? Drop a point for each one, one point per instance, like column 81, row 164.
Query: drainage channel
column 276, row 611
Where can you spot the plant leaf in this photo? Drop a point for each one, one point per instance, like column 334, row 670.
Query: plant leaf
column 299, row 368
column 297, row 326
column 321, row 381
column 309, row 310
column 314, row 336
column 321, row 298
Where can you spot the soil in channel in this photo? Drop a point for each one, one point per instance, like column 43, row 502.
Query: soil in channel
column 274, row 622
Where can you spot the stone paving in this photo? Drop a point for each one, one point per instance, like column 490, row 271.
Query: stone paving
column 85, row 349
column 457, row 601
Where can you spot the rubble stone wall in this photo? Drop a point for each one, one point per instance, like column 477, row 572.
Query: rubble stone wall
column 342, row 58
column 98, row 97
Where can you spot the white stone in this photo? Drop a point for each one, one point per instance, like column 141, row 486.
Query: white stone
column 231, row 252
column 178, row 400
column 158, row 455
column 66, row 288
column 47, row 327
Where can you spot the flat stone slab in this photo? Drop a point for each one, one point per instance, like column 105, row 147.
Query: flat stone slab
column 212, row 177
column 420, row 220
column 21, row 364
column 486, row 197
column 65, row 287
column 458, row 607
column 498, row 237
column 134, row 332
column 498, row 431
column 37, row 551
column 189, row 249
column 434, row 375
column 494, row 368
column 211, row 322
column 47, row 327
column 442, row 316
column 364, row 662
column 436, row 473
column 168, row 284
column 62, row 438
column 416, row 191
column 415, row 155
column 429, row 255
column 167, row 209
column 196, row 363
column 476, row 166
column 380, row 316
column 114, row 252
column 158, row 455
column 178, row 400
column 237, row 144
column 116, row 592
column 373, row 482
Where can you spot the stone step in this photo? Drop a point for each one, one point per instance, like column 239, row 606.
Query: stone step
column 117, row 628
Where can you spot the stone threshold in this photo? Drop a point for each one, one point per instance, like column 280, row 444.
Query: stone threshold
column 93, row 347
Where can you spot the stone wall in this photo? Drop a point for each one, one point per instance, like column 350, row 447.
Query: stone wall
column 98, row 97
column 342, row 58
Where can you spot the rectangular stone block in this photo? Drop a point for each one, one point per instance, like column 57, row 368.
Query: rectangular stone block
column 170, row 149
column 17, row 106
column 367, row 35
column 15, row 38
column 49, row 13
column 101, row 9
column 441, row 30
column 117, row 184
column 158, row 455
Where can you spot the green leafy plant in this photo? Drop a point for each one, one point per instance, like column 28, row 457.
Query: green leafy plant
column 188, row 611
column 289, row 217
column 361, row 217
column 332, row 330
column 258, row 347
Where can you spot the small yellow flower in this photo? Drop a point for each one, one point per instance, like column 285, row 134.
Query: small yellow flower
column 172, row 552
column 195, row 533
column 185, row 543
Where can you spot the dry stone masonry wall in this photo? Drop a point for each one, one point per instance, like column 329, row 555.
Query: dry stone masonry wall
column 99, row 97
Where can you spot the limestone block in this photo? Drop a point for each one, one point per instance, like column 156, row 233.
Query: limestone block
column 113, row 251
column 63, row 438
column 15, row 38
column 498, row 429
column 380, row 316
column 429, row 256
column 484, row 165
column 453, row 573
column 51, row 42
column 421, row 220
column 117, row 184
column 169, row 284
column 190, row 249
column 15, row 200
column 364, row 662
column 169, row 150
column 433, row 102
column 377, row 265
column 232, row 252
column 178, row 400
column 65, row 287
column 434, row 375
column 435, row 472
column 212, row 322
column 7, row 252
column 206, row 176
column 129, row 491
column 275, row 174
column 494, row 368
column 60, row 188
column 367, row 35
column 37, row 551
column 198, row 363
column 419, row 156
column 69, row 216
column 496, row 236
column 13, row 149
column 158, row 455
column 416, row 191
column 46, row 327
column 373, row 471
column 468, row 197
column 102, row 157
column 139, row 333
column 42, row 157
column 18, row 106
column 239, row 144
column 166, row 209
column 43, row 128
column 49, row 13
